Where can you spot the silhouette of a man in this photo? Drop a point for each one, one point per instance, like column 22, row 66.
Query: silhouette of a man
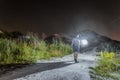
column 76, row 47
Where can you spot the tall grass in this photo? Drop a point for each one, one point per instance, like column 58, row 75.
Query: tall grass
column 12, row 51
column 107, row 65
column 45, row 51
column 59, row 50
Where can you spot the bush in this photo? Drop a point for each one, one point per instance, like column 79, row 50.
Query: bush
column 59, row 50
column 107, row 64
column 53, row 50
column 14, row 52
column 7, row 50
column 42, row 51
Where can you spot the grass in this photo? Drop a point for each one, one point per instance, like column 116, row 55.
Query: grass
column 12, row 52
column 59, row 50
column 108, row 67
column 15, row 52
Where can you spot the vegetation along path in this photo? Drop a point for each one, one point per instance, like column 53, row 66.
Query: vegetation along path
column 56, row 69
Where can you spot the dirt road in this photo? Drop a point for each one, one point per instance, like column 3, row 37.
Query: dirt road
column 55, row 69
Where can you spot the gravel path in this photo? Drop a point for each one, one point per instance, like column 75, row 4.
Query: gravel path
column 56, row 69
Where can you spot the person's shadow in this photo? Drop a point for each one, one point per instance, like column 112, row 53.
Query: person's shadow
column 20, row 70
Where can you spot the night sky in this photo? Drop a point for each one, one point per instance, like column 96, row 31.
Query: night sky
column 60, row 16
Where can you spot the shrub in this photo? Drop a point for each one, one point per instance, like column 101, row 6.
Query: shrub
column 14, row 52
column 107, row 64
column 42, row 51
column 60, row 49
column 7, row 51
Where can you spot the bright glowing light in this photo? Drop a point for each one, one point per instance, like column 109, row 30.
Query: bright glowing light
column 84, row 42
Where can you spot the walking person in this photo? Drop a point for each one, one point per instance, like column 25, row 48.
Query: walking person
column 76, row 47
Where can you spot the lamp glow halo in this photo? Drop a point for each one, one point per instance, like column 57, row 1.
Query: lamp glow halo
column 84, row 42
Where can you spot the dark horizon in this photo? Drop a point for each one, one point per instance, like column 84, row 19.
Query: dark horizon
column 65, row 17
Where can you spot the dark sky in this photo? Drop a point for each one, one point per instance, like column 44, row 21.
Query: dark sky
column 60, row 16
